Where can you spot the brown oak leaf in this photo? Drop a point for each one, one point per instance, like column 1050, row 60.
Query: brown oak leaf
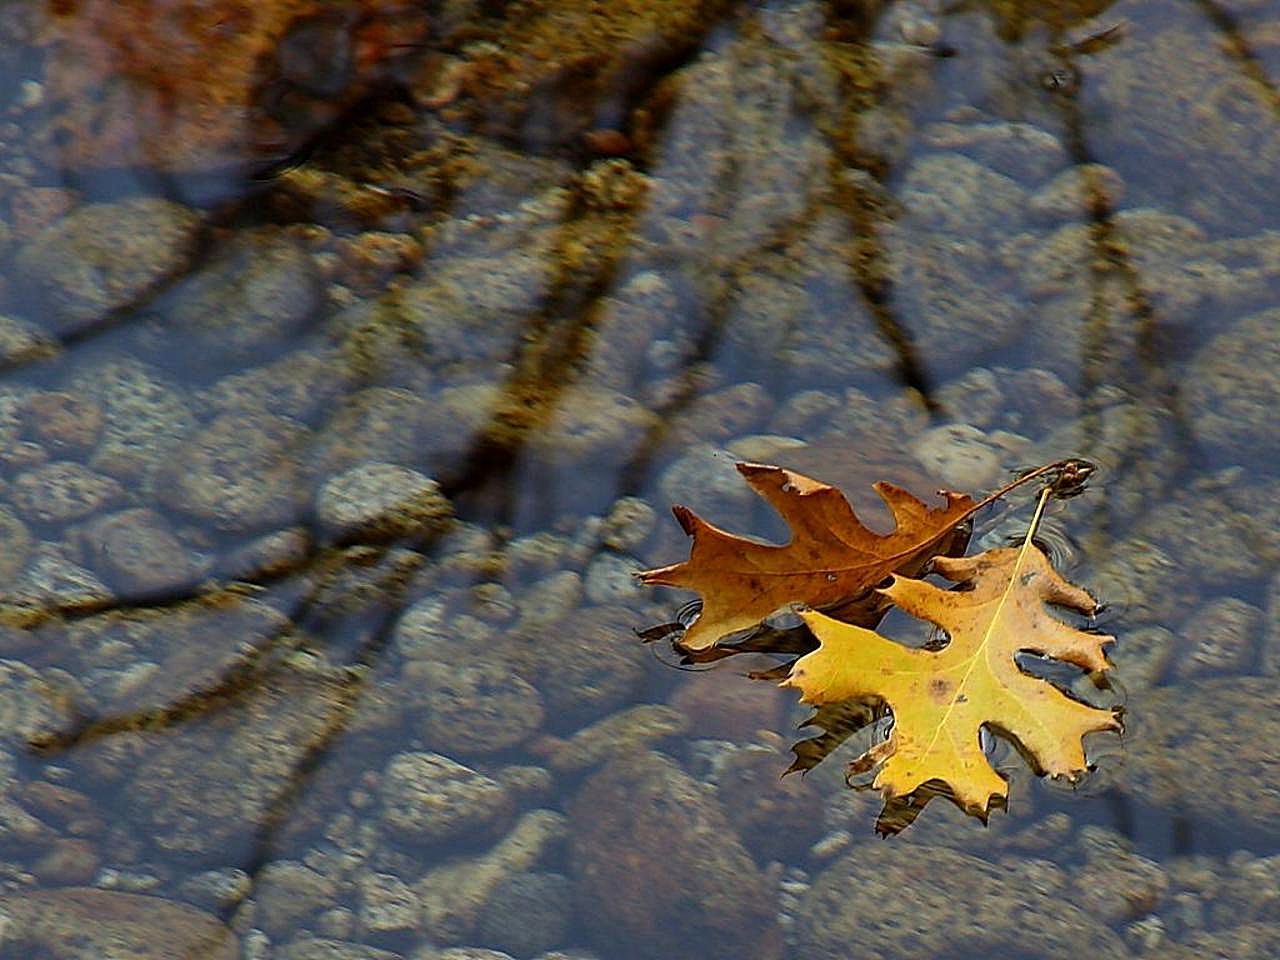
column 832, row 557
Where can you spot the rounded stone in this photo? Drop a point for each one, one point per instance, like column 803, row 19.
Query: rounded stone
column 474, row 708
column 135, row 552
column 959, row 456
column 585, row 664
column 1233, row 386
column 62, row 491
column 1227, row 725
column 287, row 893
column 64, row 422
column 76, row 923
column 17, row 545
column 1223, row 636
column 240, row 472
column 935, row 902
column 105, row 257
column 245, row 298
column 381, row 501
column 145, row 416
column 527, row 914
column 429, row 798
column 658, row 872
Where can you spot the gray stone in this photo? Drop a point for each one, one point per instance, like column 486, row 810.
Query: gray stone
column 1223, row 636
column 240, row 472
column 136, row 553
column 527, row 914
column 317, row 948
column 1229, row 726
column 428, row 798
column 145, row 416
column 473, row 708
column 245, row 298
column 935, row 902
column 287, row 893
column 1233, row 387
column 62, row 491
column 959, row 455
column 104, row 257
column 381, row 501
column 85, row 924
column 213, row 788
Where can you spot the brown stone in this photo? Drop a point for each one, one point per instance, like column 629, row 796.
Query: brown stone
column 84, row 924
column 194, row 85
column 659, row 872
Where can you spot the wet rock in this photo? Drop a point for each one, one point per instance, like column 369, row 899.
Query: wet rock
column 387, row 904
column 105, row 257
column 17, row 546
column 955, row 195
column 53, row 582
column 240, row 472
column 567, row 69
column 62, row 491
column 1224, row 725
column 454, row 894
column 1232, row 385
column 428, row 798
column 32, row 703
column 211, row 789
column 658, row 872
column 757, row 799
column 935, row 902
column 381, row 501
column 1019, row 150
column 587, row 427
column 298, row 385
column 527, row 914
column 145, row 416
column 616, row 735
column 1250, row 941
column 584, row 664
column 722, row 415
column 1203, row 141
column 1223, row 636
column 1115, row 884
column 976, row 398
column 287, row 893
column 67, row 862
column 474, row 708
column 76, row 923
column 705, row 481
column 394, row 426
column 216, row 890
column 62, row 422
column 628, row 524
column 730, row 707
column 1075, row 193
column 136, row 553
column 317, row 948
column 245, row 299
column 959, row 455
column 150, row 659
column 611, row 578
column 174, row 88
column 1142, row 656
column 22, row 344
column 1222, row 528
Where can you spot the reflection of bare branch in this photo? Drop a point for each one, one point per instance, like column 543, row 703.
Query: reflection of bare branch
column 1240, row 50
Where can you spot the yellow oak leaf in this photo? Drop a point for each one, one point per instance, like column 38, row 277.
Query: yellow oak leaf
column 831, row 558
column 941, row 699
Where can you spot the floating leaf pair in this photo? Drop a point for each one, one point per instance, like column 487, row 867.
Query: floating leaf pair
column 940, row 698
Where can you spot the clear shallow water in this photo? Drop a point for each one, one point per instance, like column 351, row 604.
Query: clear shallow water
column 569, row 265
